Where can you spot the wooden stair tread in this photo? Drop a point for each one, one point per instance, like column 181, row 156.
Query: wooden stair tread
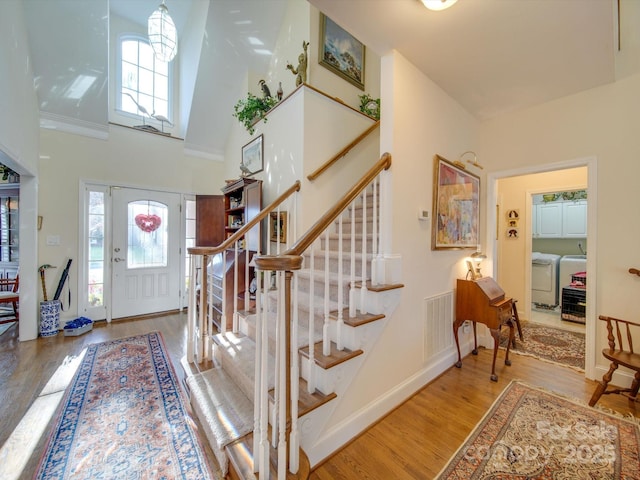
column 240, row 469
column 359, row 319
column 336, row 356
column 307, row 402
column 383, row 287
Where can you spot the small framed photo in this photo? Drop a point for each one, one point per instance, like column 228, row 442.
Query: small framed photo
column 341, row 52
column 252, row 154
column 278, row 227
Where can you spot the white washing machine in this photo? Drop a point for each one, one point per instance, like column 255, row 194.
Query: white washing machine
column 544, row 279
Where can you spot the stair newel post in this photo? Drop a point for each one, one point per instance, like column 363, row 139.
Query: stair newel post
column 284, row 384
column 284, row 372
column 326, row 339
column 340, row 320
column 277, row 360
column 263, row 386
column 363, row 287
column 294, row 376
column 352, row 273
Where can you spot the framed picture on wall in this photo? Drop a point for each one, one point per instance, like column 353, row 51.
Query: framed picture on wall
column 278, row 227
column 252, row 156
column 341, row 52
column 456, row 206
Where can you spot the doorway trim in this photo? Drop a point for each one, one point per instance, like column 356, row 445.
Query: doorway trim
column 82, row 278
column 592, row 201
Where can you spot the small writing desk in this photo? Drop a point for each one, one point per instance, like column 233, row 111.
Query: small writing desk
column 482, row 300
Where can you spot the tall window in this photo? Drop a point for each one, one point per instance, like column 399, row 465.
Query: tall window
column 143, row 80
column 95, row 223
column 190, row 237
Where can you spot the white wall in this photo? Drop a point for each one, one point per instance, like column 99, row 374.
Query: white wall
column 128, row 158
column 601, row 123
column 424, row 121
column 19, row 146
column 312, row 136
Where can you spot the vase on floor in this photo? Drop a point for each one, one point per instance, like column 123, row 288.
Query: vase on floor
column 49, row 318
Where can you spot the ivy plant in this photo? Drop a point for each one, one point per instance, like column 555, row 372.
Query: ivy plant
column 251, row 110
column 370, row 106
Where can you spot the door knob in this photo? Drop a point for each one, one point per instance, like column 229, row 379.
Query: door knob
column 118, row 259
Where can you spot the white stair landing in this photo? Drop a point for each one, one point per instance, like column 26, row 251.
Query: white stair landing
column 225, row 412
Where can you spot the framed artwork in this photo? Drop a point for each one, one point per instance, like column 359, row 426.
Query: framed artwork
column 456, row 207
column 278, row 227
column 341, row 52
column 513, row 232
column 252, row 157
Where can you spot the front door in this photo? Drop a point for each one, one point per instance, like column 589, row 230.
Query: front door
column 145, row 257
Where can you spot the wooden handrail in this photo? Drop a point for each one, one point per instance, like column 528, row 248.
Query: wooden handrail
column 315, row 174
column 284, row 261
column 247, row 226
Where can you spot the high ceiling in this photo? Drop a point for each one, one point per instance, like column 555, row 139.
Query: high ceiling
column 492, row 56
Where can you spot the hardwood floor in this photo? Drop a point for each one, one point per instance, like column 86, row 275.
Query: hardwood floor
column 416, row 440
column 26, row 367
column 412, row 442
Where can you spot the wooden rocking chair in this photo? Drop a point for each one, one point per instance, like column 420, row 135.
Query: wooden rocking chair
column 9, row 294
column 623, row 355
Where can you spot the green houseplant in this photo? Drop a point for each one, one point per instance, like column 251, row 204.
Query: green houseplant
column 370, row 106
column 250, row 110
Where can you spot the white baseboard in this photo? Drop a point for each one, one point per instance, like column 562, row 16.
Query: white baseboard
column 339, row 435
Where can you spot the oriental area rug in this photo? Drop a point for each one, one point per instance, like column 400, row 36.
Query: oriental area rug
column 535, row 434
column 550, row 344
column 124, row 416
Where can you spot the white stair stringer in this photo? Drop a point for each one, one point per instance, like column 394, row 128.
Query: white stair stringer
column 339, row 378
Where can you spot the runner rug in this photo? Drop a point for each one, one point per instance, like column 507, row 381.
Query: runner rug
column 124, row 416
column 535, row 434
column 548, row 343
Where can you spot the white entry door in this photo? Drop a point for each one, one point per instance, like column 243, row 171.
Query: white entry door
column 145, row 257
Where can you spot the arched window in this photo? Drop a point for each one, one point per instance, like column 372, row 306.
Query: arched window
column 143, row 80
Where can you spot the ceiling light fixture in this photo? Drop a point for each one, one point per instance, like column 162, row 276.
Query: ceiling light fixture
column 162, row 34
column 438, row 4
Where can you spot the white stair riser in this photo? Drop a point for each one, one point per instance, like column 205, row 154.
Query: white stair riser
column 319, row 262
column 334, row 243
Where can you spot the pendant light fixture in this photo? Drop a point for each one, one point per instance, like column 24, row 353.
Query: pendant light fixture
column 438, row 4
column 162, row 34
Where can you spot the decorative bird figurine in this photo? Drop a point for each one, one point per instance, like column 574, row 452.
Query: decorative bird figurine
column 162, row 119
column 244, row 169
column 140, row 107
column 279, row 92
column 265, row 89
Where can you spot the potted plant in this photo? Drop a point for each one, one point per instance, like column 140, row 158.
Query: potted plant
column 370, row 106
column 250, row 110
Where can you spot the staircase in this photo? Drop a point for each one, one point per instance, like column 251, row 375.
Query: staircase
column 323, row 305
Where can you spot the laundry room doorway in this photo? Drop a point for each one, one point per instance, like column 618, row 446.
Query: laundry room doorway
column 514, row 244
